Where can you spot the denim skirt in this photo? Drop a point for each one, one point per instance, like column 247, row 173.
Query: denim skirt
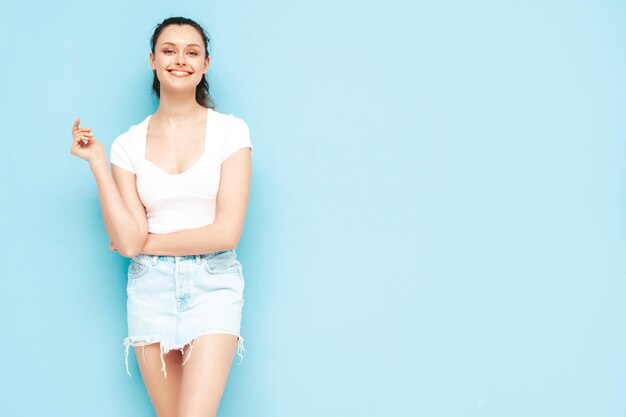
column 171, row 300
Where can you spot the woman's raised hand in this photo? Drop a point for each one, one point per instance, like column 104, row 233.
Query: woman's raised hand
column 84, row 145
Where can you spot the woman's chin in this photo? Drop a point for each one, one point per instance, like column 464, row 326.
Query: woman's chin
column 177, row 88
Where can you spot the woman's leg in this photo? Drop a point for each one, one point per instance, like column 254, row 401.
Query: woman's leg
column 205, row 373
column 163, row 392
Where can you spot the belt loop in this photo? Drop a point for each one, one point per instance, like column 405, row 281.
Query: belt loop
column 154, row 259
column 198, row 259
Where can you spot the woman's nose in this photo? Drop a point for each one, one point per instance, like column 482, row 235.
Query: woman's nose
column 180, row 59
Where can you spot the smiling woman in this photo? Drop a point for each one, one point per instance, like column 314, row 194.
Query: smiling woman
column 175, row 202
column 172, row 46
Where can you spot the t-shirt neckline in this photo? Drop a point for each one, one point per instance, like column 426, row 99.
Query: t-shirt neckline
column 145, row 146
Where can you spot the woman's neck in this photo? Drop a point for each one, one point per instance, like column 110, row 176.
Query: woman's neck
column 175, row 110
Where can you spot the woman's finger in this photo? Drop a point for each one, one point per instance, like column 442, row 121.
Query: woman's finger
column 83, row 139
column 81, row 131
column 80, row 136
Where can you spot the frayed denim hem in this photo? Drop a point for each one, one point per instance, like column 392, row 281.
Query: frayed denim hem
column 139, row 341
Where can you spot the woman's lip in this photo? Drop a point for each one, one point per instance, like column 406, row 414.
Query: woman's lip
column 179, row 73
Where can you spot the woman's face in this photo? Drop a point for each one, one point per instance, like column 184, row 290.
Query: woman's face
column 179, row 58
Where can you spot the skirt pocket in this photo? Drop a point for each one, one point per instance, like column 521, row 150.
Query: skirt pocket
column 137, row 269
column 224, row 262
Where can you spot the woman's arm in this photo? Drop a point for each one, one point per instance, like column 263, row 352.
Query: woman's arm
column 231, row 205
column 124, row 215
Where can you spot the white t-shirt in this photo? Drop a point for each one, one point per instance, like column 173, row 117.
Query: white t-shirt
column 187, row 200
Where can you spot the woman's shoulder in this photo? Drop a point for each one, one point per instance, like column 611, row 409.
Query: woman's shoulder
column 126, row 147
column 133, row 131
column 228, row 118
column 229, row 125
column 228, row 133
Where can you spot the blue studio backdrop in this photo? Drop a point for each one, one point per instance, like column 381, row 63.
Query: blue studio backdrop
column 436, row 220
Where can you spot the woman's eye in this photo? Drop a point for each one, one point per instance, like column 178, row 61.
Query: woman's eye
column 167, row 51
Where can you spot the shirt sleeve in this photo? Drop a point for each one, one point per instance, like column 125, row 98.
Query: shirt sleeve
column 120, row 153
column 238, row 138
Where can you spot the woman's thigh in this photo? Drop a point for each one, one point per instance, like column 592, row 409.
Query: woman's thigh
column 205, row 374
column 163, row 392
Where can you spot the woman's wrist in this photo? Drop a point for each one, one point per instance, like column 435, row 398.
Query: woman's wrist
column 99, row 163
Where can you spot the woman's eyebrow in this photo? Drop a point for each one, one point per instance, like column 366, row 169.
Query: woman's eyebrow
column 171, row 43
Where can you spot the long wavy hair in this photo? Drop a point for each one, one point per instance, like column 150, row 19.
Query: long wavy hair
column 202, row 90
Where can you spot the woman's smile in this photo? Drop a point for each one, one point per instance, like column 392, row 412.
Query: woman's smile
column 179, row 74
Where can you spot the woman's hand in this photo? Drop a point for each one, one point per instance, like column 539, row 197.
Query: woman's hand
column 84, row 145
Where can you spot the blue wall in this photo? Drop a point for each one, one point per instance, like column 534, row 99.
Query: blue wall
column 436, row 223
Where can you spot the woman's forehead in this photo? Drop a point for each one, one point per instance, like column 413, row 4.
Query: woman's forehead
column 180, row 35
